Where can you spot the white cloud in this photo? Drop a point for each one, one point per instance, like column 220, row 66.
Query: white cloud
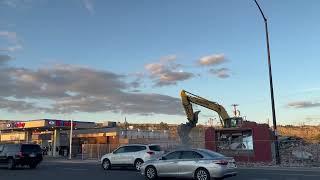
column 155, row 69
column 166, row 72
column 212, row 60
column 12, row 36
column 88, row 4
column 71, row 89
column 13, row 41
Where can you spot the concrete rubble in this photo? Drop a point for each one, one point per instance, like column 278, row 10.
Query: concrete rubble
column 294, row 152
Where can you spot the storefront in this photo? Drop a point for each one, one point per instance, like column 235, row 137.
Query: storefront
column 51, row 134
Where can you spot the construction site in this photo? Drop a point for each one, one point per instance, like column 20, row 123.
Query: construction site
column 250, row 143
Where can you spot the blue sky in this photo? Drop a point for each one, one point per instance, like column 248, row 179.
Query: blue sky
column 158, row 45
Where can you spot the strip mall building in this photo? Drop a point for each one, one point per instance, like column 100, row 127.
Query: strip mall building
column 53, row 134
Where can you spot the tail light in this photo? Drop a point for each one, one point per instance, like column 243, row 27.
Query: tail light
column 19, row 154
column 150, row 153
column 221, row 162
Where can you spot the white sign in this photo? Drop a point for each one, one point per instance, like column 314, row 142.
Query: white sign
column 51, row 123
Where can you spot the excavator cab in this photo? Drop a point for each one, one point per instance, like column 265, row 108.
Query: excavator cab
column 233, row 122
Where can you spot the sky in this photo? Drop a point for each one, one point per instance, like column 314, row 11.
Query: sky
column 96, row 60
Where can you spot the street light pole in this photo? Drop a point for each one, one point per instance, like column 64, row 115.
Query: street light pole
column 278, row 161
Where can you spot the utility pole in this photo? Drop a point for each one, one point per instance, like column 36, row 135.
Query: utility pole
column 278, row 161
column 235, row 109
column 126, row 127
column 70, row 140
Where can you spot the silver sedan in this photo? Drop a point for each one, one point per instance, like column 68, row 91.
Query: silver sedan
column 199, row 164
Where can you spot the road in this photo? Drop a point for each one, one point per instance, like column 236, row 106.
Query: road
column 84, row 170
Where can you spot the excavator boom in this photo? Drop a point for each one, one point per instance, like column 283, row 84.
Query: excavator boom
column 188, row 98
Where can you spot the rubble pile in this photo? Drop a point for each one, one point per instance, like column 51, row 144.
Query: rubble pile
column 300, row 153
column 294, row 152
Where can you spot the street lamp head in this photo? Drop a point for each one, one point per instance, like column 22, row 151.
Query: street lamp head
column 264, row 18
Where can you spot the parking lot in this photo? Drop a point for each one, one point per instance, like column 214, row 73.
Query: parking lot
column 87, row 170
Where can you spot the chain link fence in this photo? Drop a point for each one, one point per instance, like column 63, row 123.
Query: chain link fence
column 256, row 153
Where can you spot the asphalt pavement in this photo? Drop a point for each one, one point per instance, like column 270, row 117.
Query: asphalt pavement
column 90, row 170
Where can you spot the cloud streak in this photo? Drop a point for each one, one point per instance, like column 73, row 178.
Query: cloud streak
column 221, row 73
column 21, row 3
column 303, row 104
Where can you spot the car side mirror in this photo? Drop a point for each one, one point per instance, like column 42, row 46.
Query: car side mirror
column 163, row 158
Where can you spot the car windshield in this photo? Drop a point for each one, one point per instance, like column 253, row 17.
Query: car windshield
column 211, row 153
column 155, row 148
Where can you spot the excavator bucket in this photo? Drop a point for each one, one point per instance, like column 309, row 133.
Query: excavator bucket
column 195, row 117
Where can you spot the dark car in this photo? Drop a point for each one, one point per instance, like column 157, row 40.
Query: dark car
column 14, row 155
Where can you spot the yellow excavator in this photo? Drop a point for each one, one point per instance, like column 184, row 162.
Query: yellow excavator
column 188, row 99
column 226, row 121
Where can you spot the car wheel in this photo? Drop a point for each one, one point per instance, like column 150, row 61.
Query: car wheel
column 137, row 164
column 202, row 174
column 106, row 165
column 151, row 173
column 11, row 164
column 33, row 166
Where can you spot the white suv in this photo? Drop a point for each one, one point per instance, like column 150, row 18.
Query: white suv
column 131, row 155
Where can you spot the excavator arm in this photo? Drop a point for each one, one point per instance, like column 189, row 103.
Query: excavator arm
column 188, row 98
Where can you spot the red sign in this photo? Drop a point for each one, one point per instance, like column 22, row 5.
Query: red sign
column 68, row 124
column 19, row 124
column 16, row 125
column 65, row 123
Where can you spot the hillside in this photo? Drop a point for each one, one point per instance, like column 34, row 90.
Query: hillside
column 309, row 133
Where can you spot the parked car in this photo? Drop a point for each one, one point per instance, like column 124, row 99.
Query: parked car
column 13, row 155
column 199, row 164
column 131, row 155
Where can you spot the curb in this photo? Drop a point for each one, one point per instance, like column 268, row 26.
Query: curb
column 273, row 168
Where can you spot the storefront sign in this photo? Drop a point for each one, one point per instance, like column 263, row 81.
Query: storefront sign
column 65, row 123
column 13, row 136
column 16, row 125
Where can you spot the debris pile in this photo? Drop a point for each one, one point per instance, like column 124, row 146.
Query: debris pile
column 294, row 152
column 297, row 152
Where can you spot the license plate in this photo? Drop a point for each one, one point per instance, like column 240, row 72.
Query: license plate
column 231, row 165
column 32, row 155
